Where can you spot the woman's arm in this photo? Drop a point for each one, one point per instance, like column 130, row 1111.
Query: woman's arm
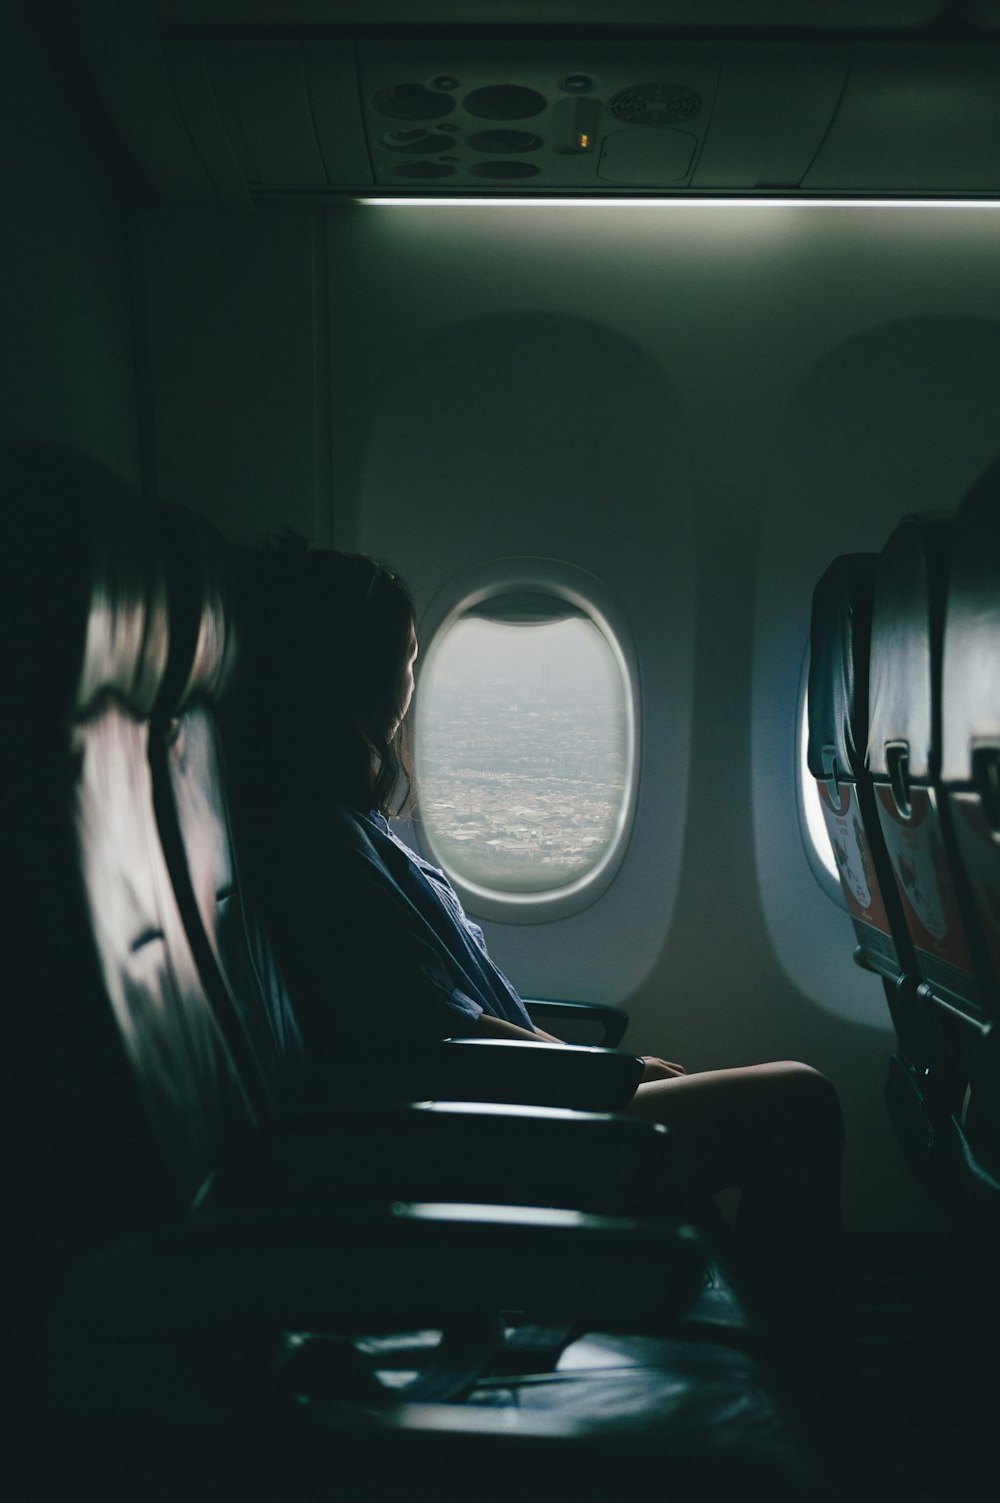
column 488, row 1027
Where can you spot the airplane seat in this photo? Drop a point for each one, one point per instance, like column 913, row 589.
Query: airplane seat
column 921, row 1072
column 925, row 1092
column 85, row 604
column 236, row 964
column 904, row 754
column 839, row 646
column 117, row 1096
column 189, row 1087
column 970, row 781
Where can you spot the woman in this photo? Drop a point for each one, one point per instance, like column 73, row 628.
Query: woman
column 376, row 948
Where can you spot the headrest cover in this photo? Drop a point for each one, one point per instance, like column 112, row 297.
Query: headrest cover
column 971, row 664
column 907, row 635
column 839, row 638
column 125, row 651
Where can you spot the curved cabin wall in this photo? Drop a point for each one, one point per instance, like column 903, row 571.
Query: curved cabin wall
column 849, row 438
column 700, row 404
column 554, row 436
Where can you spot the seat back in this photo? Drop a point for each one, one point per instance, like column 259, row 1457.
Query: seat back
column 235, row 961
column 839, row 647
column 80, row 1161
column 198, row 1103
column 970, row 743
column 86, row 566
column 945, row 1025
column 970, row 782
column 904, row 749
column 925, row 1082
column 120, row 1095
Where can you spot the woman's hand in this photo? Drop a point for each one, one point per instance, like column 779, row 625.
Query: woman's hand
column 658, row 1069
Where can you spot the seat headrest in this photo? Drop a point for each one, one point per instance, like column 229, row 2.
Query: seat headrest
column 839, row 639
column 907, row 636
column 971, row 664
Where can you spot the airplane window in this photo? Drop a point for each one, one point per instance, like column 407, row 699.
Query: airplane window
column 523, row 745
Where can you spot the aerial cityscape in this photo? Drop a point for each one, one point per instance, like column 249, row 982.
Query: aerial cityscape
column 521, row 762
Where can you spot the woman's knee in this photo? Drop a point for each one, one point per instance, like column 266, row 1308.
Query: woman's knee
column 811, row 1101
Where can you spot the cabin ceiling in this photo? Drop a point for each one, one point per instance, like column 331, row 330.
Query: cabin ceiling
column 236, row 102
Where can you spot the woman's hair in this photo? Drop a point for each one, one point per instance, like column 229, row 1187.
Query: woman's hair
column 325, row 639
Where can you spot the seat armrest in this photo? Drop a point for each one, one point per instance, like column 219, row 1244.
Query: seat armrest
column 568, row 1075
column 609, row 1022
column 587, row 1161
column 584, row 1078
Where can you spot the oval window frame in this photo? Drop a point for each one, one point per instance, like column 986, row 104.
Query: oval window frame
column 577, row 587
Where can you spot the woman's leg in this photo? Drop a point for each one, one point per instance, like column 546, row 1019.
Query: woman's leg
column 775, row 1132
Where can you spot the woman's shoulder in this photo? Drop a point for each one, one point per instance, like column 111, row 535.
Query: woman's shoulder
column 367, row 834
column 356, row 847
column 355, row 829
column 321, row 831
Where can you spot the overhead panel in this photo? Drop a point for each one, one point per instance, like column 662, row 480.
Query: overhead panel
column 270, row 95
column 553, row 115
column 197, row 103
column 242, row 118
column 271, row 116
column 774, row 106
column 331, row 78
column 919, row 118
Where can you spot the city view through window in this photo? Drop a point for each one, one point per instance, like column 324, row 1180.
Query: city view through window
column 521, row 746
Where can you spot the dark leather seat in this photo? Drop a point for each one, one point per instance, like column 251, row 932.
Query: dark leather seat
column 970, row 761
column 119, row 1100
column 904, row 749
column 878, row 719
column 925, row 1076
column 970, row 704
column 839, row 650
column 929, row 1079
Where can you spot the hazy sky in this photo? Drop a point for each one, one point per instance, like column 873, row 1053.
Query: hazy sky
column 575, row 652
